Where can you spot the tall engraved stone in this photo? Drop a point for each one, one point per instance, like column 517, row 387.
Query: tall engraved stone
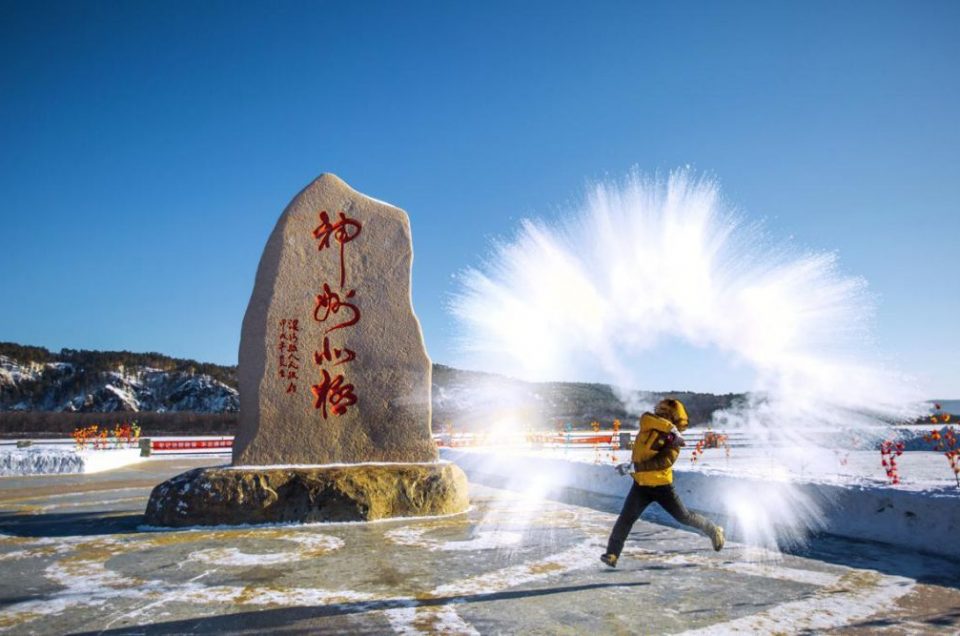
column 334, row 381
column 332, row 363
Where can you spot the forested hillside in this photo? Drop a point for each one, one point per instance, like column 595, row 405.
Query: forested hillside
column 34, row 380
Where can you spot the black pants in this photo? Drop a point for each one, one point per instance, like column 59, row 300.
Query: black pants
column 642, row 496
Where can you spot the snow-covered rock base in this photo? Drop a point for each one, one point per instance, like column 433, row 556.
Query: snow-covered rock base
column 56, row 460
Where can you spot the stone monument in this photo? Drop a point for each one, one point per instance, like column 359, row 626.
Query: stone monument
column 334, row 380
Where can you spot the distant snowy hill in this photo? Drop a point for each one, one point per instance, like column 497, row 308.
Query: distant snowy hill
column 33, row 379
column 476, row 401
column 36, row 379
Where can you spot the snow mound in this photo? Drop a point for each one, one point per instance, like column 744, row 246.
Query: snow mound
column 53, row 460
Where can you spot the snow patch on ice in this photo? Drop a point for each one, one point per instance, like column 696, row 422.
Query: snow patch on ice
column 483, row 540
column 413, row 621
column 233, row 557
column 316, row 542
column 765, row 564
column 579, row 557
column 796, row 575
column 855, row 596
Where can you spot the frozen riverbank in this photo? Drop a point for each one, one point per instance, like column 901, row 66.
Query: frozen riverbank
column 768, row 509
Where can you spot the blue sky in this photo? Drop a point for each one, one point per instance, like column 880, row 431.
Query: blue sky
column 146, row 150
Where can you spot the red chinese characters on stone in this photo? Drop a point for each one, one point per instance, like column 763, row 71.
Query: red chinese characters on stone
column 330, row 303
column 333, row 392
column 334, row 310
column 288, row 362
column 329, row 354
column 343, row 231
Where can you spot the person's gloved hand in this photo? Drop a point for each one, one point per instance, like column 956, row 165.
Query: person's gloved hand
column 675, row 439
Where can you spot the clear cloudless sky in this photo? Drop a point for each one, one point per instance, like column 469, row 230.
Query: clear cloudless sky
column 147, row 149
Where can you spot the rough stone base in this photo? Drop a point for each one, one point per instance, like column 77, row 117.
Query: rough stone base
column 353, row 492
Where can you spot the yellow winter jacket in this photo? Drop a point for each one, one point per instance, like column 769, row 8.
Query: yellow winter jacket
column 652, row 459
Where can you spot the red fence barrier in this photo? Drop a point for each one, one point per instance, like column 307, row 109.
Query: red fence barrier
column 190, row 444
column 470, row 439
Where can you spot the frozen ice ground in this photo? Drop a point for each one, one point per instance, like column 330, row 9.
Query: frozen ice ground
column 74, row 558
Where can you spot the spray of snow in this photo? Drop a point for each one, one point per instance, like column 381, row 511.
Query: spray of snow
column 648, row 261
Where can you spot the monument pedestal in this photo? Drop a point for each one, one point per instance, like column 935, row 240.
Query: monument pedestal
column 304, row 494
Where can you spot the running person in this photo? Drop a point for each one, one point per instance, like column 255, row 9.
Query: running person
column 656, row 449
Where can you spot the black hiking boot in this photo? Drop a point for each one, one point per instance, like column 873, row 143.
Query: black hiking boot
column 716, row 537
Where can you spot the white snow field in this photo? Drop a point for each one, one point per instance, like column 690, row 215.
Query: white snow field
column 55, row 459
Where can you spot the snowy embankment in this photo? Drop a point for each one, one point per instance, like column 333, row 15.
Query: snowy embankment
column 756, row 508
column 59, row 459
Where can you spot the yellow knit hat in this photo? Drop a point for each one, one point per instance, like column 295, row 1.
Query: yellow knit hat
column 670, row 409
